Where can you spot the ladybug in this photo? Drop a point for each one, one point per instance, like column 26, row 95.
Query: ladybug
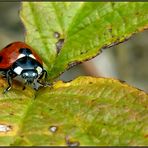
column 19, row 59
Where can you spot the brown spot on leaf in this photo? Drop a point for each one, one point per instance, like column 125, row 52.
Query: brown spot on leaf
column 56, row 35
column 83, row 52
column 137, row 13
column 53, row 129
column 5, row 128
column 69, row 142
column 122, row 81
column 140, row 89
column 93, row 100
column 110, row 30
column 50, row 109
column 59, row 45
column 21, row 136
column 72, row 64
column 11, row 114
column 100, row 50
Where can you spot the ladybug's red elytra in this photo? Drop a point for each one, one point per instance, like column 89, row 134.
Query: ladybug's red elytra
column 19, row 59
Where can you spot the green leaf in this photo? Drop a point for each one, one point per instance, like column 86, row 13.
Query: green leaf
column 86, row 28
column 86, row 111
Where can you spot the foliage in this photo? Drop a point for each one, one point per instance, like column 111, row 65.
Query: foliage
column 85, row 111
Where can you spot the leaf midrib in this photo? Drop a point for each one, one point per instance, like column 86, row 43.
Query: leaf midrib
column 35, row 19
column 21, row 123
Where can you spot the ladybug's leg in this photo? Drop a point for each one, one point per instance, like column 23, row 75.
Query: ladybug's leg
column 9, row 79
column 3, row 74
column 24, row 87
column 37, row 82
column 44, row 74
column 36, row 86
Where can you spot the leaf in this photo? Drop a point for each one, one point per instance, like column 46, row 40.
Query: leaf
column 12, row 108
column 85, row 28
column 85, row 111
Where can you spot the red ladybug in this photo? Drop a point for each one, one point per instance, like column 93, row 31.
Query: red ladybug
column 19, row 59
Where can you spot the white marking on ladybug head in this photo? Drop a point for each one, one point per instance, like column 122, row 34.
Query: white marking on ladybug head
column 39, row 70
column 26, row 74
column 21, row 56
column 33, row 74
column 32, row 56
column 18, row 70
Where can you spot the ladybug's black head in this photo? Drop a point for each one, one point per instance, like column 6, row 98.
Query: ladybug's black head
column 28, row 68
column 29, row 75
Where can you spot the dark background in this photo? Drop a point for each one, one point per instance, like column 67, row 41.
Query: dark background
column 127, row 61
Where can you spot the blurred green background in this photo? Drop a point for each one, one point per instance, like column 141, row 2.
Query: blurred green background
column 126, row 61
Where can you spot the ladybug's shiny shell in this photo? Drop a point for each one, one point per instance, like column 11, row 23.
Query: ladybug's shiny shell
column 12, row 52
column 19, row 59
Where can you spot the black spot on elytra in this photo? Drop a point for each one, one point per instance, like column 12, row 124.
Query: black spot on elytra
column 1, row 57
column 8, row 45
column 25, row 51
column 59, row 45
